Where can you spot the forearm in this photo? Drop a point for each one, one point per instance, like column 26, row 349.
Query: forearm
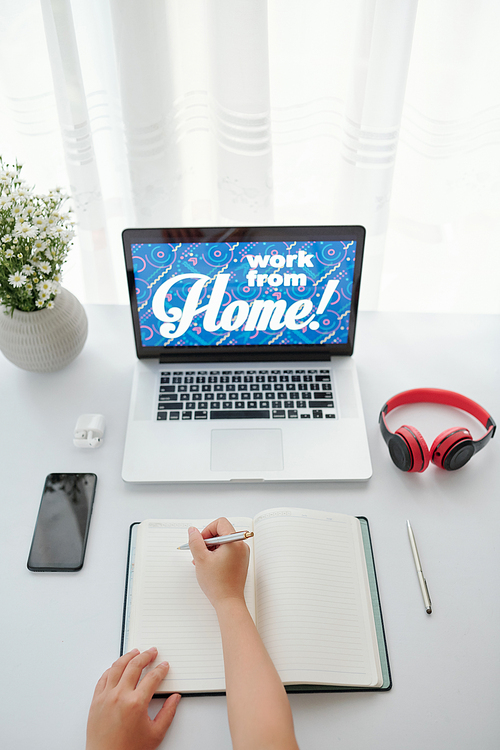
column 258, row 708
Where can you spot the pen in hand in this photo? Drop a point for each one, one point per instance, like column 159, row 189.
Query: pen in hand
column 214, row 540
column 420, row 574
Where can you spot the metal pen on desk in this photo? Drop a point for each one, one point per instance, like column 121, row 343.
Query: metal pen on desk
column 236, row 537
column 420, row 574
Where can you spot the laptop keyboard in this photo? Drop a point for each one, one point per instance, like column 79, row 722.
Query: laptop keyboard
column 246, row 394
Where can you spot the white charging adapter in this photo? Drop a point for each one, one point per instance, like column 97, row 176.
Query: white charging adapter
column 89, row 431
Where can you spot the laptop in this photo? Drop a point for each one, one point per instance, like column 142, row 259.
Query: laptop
column 244, row 337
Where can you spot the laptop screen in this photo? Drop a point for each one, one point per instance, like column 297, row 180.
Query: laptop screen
column 254, row 288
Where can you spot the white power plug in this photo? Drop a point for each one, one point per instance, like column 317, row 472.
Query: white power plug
column 89, row 431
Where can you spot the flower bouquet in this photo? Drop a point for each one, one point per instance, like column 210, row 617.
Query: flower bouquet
column 35, row 234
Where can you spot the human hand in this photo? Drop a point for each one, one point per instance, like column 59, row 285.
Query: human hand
column 118, row 716
column 221, row 572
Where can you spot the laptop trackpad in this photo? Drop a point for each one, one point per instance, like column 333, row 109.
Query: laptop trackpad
column 246, row 450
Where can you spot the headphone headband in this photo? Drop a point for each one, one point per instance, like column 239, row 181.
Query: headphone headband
column 439, row 396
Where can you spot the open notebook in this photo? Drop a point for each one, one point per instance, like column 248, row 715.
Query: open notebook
column 311, row 589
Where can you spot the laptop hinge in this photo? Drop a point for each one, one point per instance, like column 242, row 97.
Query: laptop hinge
column 247, row 357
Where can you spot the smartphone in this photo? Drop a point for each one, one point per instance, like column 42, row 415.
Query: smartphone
column 63, row 521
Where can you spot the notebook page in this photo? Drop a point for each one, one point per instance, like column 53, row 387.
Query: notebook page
column 314, row 610
column 170, row 611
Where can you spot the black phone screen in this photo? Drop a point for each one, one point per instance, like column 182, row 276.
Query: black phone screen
column 62, row 524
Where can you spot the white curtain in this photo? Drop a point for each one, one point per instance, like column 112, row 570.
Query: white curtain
column 216, row 112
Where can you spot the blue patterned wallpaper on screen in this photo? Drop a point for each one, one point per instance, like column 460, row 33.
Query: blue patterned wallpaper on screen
column 240, row 293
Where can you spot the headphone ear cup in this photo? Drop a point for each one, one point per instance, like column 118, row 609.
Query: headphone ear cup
column 418, row 451
column 452, row 449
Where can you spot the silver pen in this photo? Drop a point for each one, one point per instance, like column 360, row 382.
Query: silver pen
column 420, row 574
column 236, row 537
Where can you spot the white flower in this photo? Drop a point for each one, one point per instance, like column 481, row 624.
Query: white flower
column 17, row 210
column 26, row 230
column 44, row 286
column 6, row 238
column 44, row 267
column 17, row 279
column 9, row 253
column 27, row 269
column 5, row 201
column 57, row 278
column 44, row 295
column 39, row 303
column 39, row 244
column 29, row 286
column 39, row 222
column 50, row 304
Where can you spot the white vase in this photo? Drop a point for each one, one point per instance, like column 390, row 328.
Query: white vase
column 44, row 340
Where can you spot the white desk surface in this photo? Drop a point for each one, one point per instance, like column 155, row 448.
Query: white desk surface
column 60, row 631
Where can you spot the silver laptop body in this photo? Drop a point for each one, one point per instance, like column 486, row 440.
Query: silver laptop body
column 244, row 338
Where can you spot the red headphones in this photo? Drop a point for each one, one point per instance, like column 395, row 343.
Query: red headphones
column 451, row 449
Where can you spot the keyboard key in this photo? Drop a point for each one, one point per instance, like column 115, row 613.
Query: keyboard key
column 200, row 415
column 279, row 414
column 322, row 394
column 330, row 415
column 241, row 414
column 305, row 416
column 190, row 405
column 251, row 404
column 321, row 378
column 288, row 404
column 170, row 405
column 167, row 388
column 321, row 404
column 227, row 404
column 264, row 404
column 317, row 414
column 240, row 404
column 161, row 415
column 164, row 380
column 168, row 397
column 276, row 404
column 174, row 415
column 186, row 415
column 293, row 414
column 215, row 405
